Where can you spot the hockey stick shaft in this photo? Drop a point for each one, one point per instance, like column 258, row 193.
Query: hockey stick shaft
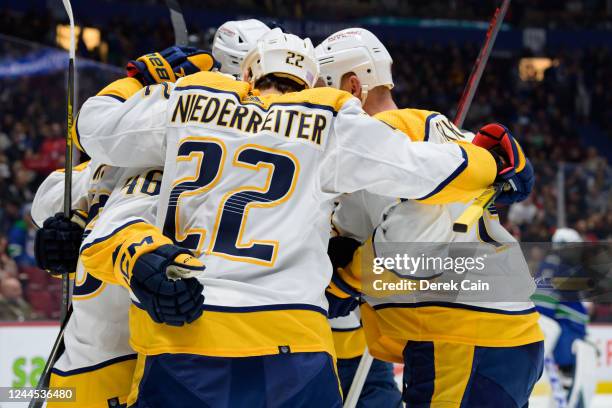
column 475, row 210
column 363, row 369
column 66, row 309
column 481, row 62
column 181, row 35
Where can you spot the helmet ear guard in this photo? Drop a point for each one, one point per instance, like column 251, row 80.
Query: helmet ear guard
column 284, row 55
column 233, row 40
column 355, row 50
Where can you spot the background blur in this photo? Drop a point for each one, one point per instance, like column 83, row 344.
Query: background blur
column 548, row 80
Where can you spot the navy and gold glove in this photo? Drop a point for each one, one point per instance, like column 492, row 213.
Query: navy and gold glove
column 56, row 247
column 165, row 284
column 513, row 167
column 170, row 64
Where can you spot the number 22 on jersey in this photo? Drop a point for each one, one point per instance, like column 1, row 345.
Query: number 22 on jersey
column 282, row 170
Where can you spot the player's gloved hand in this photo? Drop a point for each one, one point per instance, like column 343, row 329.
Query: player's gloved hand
column 170, row 64
column 513, row 168
column 165, row 284
column 56, row 246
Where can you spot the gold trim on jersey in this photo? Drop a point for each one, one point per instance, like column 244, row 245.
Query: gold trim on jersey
column 94, row 388
column 408, row 121
column 98, row 259
column 332, row 98
column 453, row 369
column 349, row 343
column 227, row 334
column 480, row 167
column 396, row 326
column 122, row 88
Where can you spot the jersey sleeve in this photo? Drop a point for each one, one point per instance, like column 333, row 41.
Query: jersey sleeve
column 124, row 125
column 122, row 231
column 365, row 153
column 435, row 128
column 49, row 198
column 357, row 214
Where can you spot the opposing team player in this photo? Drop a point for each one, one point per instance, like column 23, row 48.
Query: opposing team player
column 98, row 360
column 455, row 354
column 251, row 169
column 570, row 359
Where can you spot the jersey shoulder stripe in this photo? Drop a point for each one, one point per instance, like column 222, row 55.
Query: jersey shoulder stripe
column 412, row 122
column 121, row 89
column 321, row 98
column 214, row 81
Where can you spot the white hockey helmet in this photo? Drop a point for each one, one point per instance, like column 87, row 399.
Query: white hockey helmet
column 355, row 50
column 233, row 40
column 566, row 235
column 284, row 55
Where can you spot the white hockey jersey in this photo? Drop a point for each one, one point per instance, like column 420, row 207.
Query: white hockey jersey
column 390, row 321
column 98, row 360
column 248, row 185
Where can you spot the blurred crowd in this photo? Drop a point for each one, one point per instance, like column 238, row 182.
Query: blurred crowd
column 548, row 117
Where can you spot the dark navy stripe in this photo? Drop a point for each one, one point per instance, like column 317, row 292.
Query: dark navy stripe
column 429, row 118
column 348, row 329
column 120, row 99
column 94, row 367
column 249, row 309
column 484, row 234
column 104, row 238
column 213, row 90
column 419, row 373
column 453, row 306
column 450, row 178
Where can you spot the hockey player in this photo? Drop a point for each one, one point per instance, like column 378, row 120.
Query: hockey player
column 98, row 360
column 452, row 352
column 374, row 80
column 570, row 360
column 251, row 169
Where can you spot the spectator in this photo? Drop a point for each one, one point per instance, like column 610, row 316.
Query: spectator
column 12, row 304
column 8, row 267
column 21, row 239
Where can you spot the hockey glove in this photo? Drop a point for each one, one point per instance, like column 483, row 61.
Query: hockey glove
column 56, row 247
column 165, row 284
column 513, row 168
column 170, row 64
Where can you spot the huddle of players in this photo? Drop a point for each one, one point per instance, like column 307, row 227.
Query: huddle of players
column 243, row 322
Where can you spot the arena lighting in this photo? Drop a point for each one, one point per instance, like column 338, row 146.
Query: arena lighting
column 91, row 36
column 532, row 69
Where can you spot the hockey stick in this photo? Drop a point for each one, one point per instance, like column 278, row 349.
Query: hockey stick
column 66, row 308
column 473, row 212
column 363, row 369
column 181, row 35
